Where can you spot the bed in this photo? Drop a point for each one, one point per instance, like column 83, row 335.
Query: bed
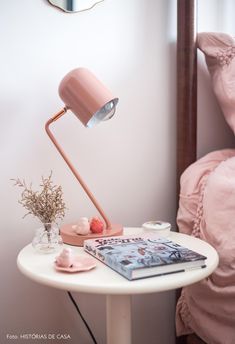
column 187, row 122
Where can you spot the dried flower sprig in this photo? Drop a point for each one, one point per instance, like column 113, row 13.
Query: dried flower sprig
column 47, row 204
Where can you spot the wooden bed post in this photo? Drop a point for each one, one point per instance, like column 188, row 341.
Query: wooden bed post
column 186, row 96
column 186, row 85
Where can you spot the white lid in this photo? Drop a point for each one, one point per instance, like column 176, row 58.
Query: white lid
column 157, row 225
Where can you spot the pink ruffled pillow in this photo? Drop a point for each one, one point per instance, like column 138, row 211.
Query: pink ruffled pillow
column 206, row 210
column 219, row 50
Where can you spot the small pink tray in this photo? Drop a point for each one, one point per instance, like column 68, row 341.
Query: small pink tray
column 81, row 263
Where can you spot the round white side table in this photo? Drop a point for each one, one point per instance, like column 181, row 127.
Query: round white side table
column 118, row 290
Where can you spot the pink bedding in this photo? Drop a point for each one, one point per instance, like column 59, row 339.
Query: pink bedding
column 207, row 211
column 219, row 50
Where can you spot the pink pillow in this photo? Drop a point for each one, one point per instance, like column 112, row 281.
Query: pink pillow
column 206, row 210
column 219, row 50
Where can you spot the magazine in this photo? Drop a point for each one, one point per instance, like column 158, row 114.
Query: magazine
column 143, row 256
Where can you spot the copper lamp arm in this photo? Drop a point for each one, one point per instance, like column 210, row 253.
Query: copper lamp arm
column 72, row 168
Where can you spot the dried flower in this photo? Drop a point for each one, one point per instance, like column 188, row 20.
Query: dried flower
column 47, row 204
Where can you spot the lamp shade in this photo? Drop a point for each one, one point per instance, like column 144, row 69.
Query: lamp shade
column 87, row 97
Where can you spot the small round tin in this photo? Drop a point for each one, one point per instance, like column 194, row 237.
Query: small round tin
column 159, row 227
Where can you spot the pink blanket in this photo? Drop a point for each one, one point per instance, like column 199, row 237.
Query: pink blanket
column 207, row 211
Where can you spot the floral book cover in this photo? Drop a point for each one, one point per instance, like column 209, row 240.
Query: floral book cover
column 143, row 256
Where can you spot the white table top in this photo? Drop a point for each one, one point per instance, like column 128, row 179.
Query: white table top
column 103, row 280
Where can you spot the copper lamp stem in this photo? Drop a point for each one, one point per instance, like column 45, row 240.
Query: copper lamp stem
column 72, row 168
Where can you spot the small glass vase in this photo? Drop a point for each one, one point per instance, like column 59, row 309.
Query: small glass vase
column 47, row 239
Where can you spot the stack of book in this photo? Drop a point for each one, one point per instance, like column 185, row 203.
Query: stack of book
column 143, row 256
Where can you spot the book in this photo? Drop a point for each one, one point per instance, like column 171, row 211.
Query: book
column 143, row 256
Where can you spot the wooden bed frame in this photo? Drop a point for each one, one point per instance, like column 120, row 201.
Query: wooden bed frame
column 186, row 85
column 186, row 101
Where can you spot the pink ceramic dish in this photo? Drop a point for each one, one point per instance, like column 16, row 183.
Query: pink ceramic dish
column 80, row 263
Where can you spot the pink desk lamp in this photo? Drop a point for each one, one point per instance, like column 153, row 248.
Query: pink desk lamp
column 91, row 102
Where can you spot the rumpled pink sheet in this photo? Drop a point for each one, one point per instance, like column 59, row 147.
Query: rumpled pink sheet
column 207, row 211
column 219, row 50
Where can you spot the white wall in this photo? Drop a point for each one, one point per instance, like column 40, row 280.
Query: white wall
column 213, row 131
column 129, row 162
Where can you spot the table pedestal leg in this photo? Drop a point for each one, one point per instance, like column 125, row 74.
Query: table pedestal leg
column 118, row 319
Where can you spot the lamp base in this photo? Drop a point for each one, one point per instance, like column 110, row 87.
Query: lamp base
column 70, row 237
